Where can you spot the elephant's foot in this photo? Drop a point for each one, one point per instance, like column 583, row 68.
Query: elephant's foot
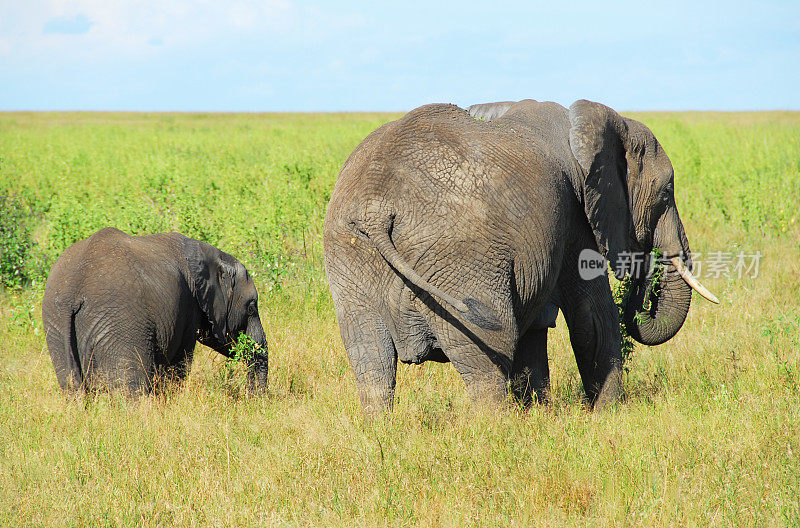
column 611, row 390
column 487, row 394
column 528, row 387
column 486, row 384
column 376, row 399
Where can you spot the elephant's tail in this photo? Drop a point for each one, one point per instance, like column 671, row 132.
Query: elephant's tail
column 73, row 375
column 473, row 310
column 73, row 359
column 58, row 318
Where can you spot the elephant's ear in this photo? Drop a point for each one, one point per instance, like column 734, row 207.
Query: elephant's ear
column 213, row 279
column 597, row 137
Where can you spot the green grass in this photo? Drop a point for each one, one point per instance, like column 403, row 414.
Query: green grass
column 708, row 435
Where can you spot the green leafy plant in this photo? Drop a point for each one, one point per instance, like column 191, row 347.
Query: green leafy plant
column 621, row 294
column 244, row 350
column 233, row 375
column 656, row 274
column 15, row 242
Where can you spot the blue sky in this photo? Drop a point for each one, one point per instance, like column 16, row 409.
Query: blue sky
column 286, row 55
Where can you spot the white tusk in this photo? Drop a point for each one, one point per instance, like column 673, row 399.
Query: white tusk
column 691, row 281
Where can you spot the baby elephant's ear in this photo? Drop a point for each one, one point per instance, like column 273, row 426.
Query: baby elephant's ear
column 597, row 138
column 213, row 280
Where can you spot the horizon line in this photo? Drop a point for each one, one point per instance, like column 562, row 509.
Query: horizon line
column 200, row 111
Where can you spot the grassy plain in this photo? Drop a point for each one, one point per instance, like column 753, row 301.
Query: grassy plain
column 709, row 433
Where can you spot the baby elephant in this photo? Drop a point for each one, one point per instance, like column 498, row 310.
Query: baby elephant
column 121, row 311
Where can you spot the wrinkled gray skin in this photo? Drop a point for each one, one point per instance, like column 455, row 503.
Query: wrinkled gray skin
column 123, row 312
column 546, row 319
column 453, row 239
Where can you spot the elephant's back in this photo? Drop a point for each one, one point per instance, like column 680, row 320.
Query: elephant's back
column 437, row 160
column 111, row 263
column 74, row 264
column 442, row 176
column 134, row 267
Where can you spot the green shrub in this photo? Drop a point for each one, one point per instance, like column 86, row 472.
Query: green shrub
column 621, row 293
column 232, row 378
column 15, row 242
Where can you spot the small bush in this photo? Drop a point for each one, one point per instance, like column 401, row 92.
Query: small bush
column 233, row 376
column 15, row 242
column 621, row 293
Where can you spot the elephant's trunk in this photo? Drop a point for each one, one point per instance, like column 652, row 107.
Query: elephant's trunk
column 654, row 314
column 258, row 370
column 258, row 365
column 656, row 310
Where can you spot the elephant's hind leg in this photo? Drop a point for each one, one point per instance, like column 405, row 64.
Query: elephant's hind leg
column 116, row 365
column 135, row 373
column 373, row 356
column 485, row 372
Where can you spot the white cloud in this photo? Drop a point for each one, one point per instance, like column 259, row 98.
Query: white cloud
column 130, row 27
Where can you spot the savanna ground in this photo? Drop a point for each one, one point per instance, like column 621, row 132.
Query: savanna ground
column 708, row 434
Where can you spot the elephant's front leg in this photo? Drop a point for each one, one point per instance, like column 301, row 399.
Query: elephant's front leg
column 530, row 372
column 373, row 357
column 593, row 322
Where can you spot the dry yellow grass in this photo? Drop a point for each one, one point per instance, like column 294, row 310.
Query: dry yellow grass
column 709, row 434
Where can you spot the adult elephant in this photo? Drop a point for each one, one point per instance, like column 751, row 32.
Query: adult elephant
column 644, row 325
column 446, row 238
column 122, row 312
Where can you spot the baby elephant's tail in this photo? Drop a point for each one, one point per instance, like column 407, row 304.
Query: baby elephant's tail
column 63, row 347
column 471, row 309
